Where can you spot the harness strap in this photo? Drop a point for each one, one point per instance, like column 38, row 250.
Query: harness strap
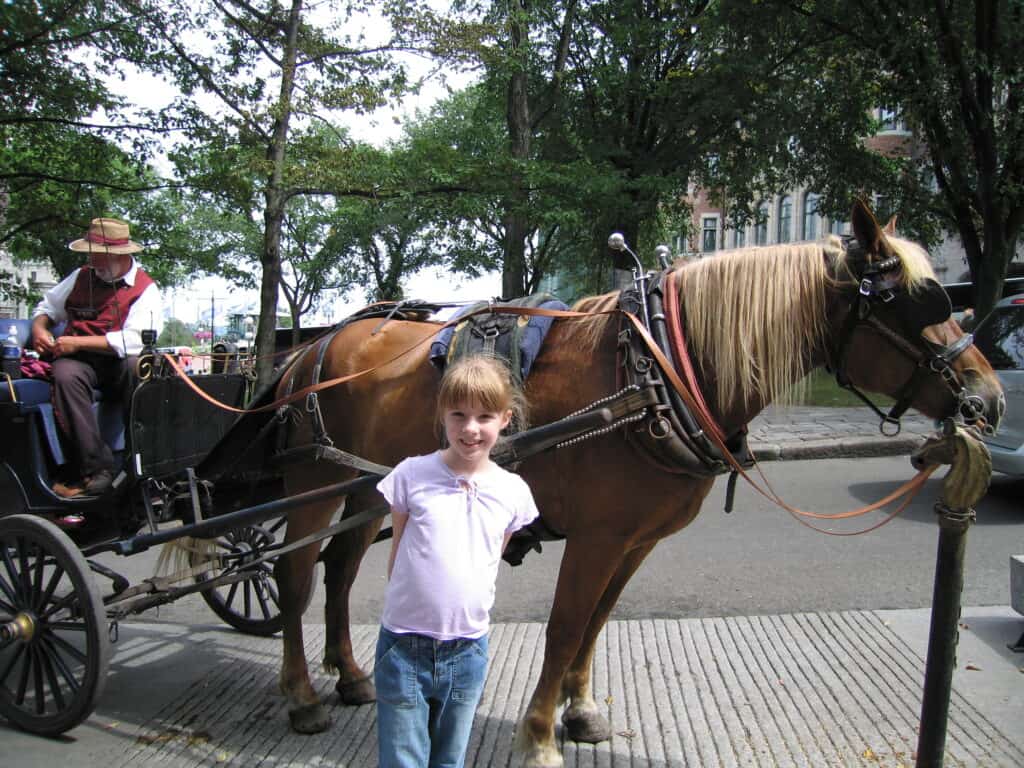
column 682, row 356
column 320, row 436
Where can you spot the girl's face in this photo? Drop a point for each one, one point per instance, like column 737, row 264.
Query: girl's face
column 472, row 431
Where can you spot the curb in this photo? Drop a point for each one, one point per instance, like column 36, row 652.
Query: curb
column 843, row 448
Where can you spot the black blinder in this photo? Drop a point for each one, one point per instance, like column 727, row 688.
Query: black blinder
column 927, row 305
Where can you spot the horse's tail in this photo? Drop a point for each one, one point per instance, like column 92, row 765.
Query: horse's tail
column 181, row 554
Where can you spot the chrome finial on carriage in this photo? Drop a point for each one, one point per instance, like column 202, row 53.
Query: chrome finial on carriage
column 617, row 242
column 664, row 255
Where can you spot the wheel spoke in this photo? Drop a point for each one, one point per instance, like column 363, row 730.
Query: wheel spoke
column 271, row 588
column 247, row 595
column 232, row 591
column 68, row 626
column 51, row 587
column 37, row 680
column 26, row 585
column 11, row 664
column 65, row 601
column 6, row 607
column 12, row 574
column 26, row 669
column 37, row 580
column 257, row 587
column 62, row 666
column 51, row 677
column 68, row 648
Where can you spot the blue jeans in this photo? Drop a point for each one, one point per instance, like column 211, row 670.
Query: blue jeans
column 427, row 693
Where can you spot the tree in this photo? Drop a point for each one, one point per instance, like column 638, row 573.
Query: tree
column 68, row 153
column 175, row 334
column 953, row 72
column 311, row 262
column 269, row 67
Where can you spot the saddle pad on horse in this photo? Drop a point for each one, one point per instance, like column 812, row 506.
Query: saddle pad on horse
column 516, row 339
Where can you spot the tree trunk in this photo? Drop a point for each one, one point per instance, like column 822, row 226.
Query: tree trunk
column 275, row 201
column 513, row 271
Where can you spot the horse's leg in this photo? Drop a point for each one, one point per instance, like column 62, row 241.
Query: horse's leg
column 583, row 719
column 294, row 572
column 341, row 563
column 582, row 580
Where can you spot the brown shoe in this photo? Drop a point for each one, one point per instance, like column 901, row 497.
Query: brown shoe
column 98, row 484
column 69, row 490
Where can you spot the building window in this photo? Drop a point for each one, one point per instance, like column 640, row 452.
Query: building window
column 839, row 227
column 891, row 122
column 785, row 226
column 709, row 234
column 739, row 237
column 810, row 230
column 761, row 228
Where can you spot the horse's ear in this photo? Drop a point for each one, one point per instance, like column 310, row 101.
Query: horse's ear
column 890, row 228
column 866, row 229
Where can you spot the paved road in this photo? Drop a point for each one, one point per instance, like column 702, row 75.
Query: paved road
column 756, row 560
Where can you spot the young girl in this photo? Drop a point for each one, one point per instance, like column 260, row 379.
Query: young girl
column 453, row 512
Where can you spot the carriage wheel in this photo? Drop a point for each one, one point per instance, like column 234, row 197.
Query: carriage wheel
column 252, row 605
column 54, row 649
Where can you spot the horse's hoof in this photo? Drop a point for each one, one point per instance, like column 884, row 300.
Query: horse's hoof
column 543, row 757
column 312, row 718
column 590, row 726
column 356, row 692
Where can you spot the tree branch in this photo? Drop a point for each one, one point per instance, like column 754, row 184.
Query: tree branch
column 87, row 182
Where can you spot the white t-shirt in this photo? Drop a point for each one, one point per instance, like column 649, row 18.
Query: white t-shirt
column 442, row 580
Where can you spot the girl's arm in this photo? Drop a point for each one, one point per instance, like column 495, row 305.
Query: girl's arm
column 398, row 521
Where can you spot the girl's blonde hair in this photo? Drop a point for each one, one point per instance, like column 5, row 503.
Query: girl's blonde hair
column 484, row 381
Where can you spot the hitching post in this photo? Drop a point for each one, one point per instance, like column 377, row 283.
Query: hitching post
column 965, row 483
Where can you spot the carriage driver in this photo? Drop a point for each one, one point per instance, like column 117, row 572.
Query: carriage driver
column 106, row 305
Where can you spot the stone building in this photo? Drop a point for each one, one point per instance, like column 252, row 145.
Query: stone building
column 21, row 284
column 793, row 215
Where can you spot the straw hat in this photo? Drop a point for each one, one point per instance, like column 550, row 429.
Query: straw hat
column 106, row 236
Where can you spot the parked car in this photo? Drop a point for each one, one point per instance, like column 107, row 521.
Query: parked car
column 1000, row 336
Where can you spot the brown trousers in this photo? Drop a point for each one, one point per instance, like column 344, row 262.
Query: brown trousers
column 74, row 379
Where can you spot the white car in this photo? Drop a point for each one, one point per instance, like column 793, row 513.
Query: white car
column 1001, row 338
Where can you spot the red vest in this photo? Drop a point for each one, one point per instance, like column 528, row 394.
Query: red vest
column 96, row 307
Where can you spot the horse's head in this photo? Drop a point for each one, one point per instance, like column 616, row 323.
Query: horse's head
column 893, row 332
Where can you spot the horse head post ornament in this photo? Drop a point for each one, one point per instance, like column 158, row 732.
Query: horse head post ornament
column 754, row 321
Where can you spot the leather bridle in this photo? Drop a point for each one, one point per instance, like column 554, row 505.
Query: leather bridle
column 877, row 285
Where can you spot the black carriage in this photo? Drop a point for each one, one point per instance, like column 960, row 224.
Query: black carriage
column 58, row 604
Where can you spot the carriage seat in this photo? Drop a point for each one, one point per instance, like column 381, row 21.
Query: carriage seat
column 34, row 396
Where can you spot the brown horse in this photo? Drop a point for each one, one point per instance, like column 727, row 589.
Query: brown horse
column 757, row 321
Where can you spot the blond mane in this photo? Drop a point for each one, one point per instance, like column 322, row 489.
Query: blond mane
column 755, row 314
